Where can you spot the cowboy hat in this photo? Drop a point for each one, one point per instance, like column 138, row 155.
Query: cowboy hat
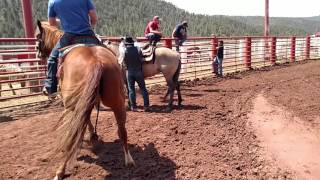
column 128, row 40
column 185, row 23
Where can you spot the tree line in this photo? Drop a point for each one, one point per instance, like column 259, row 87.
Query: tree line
column 121, row 17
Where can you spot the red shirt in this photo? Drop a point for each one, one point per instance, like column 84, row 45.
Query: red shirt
column 151, row 25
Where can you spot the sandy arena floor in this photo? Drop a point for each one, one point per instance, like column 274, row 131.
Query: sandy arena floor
column 255, row 125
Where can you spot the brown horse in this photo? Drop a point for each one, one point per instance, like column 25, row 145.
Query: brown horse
column 168, row 63
column 90, row 75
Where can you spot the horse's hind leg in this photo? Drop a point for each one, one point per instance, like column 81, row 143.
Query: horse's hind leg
column 92, row 135
column 61, row 170
column 179, row 94
column 120, row 114
column 165, row 96
column 171, row 86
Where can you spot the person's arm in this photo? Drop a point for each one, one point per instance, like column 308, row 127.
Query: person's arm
column 122, row 50
column 173, row 33
column 92, row 13
column 140, row 54
column 152, row 30
column 93, row 17
column 155, row 31
column 52, row 15
column 53, row 21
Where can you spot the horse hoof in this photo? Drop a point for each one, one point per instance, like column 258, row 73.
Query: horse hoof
column 58, row 177
column 129, row 160
column 130, row 164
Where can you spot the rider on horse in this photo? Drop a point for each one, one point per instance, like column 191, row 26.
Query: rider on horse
column 78, row 18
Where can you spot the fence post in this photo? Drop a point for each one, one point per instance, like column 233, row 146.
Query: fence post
column 293, row 49
column 247, row 52
column 168, row 43
column 214, row 42
column 307, row 49
column 273, row 50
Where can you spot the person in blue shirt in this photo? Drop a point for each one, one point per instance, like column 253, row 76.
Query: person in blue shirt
column 78, row 19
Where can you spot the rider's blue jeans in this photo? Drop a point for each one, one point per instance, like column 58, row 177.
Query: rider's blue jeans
column 179, row 41
column 51, row 83
column 132, row 77
column 153, row 38
column 217, row 63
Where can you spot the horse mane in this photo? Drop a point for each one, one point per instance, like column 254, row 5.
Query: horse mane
column 52, row 35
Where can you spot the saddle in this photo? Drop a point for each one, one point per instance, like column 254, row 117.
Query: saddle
column 65, row 50
column 148, row 53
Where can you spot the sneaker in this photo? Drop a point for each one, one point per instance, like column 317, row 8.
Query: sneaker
column 52, row 96
column 134, row 109
column 45, row 91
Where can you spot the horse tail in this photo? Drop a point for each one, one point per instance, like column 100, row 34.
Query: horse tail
column 82, row 101
column 177, row 83
column 176, row 75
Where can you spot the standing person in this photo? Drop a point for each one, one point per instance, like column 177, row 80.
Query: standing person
column 217, row 63
column 152, row 31
column 77, row 18
column 132, row 63
column 179, row 34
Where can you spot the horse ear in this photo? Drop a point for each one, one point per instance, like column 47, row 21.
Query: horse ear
column 39, row 25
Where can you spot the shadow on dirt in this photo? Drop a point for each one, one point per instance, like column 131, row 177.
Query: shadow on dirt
column 149, row 163
column 5, row 119
column 194, row 95
column 163, row 108
column 213, row 90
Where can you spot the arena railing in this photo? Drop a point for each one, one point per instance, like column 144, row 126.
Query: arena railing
column 22, row 74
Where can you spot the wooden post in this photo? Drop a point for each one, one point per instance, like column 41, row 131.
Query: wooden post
column 247, row 52
column 168, row 43
column 273, row 50
column 293, row 49
column 307, row 49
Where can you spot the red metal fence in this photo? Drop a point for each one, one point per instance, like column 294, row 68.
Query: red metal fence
column 21, row 74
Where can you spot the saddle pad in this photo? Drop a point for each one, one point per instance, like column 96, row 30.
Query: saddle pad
column 65, row 50
column 148, row 53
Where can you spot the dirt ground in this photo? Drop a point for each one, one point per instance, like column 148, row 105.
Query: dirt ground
column 222, row 131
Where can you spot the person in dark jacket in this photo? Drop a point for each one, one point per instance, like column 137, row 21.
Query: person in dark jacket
column 217, row 63
column 132, row 62
column 180, row 34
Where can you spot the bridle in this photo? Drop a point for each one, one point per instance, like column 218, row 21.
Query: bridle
column 40, row 45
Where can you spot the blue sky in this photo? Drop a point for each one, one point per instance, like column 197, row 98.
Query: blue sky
column 277, row 8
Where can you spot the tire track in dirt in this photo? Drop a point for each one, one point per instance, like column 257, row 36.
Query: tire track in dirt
column 286, row 139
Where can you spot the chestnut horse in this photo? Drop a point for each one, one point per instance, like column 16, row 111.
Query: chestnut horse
column 91, row 74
